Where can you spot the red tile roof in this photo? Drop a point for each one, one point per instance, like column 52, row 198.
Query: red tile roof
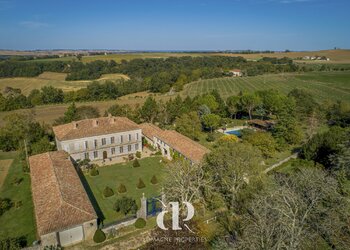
column 60, row 200
column 184, row 145
column 93, row 127
column 149, row 130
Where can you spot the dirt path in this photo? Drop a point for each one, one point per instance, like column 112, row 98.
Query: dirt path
column 293, row 156
column 4, row 168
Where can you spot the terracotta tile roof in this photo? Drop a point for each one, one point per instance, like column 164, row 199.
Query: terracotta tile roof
column 60, row 200
column 93, row 127
column 184, row 145
column 149, row 130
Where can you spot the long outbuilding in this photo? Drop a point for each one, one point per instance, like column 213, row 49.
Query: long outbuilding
column 63, row 212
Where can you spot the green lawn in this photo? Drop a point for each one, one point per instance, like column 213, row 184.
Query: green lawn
column 126, row 174
column 17, row 221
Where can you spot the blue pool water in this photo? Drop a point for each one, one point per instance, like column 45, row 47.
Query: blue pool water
column 233, row 132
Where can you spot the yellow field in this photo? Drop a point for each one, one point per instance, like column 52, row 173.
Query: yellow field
column 130, row 56
column 4, row 168
column 27, row 84
column 336, row 56
column 49, row 113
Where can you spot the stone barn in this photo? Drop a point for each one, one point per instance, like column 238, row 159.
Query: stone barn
column 63, row 211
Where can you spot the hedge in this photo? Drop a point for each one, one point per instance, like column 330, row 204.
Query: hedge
column 140, row 223
column 121, row 189
column 136, row 163
column 108, row 192
column 154, row 180
column 141, row 184
column 99, row 236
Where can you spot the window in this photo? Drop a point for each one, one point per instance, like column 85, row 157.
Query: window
column 86, row 145
column 121, row 139
column 112, row 140
column 136, row 146
column 121, row 149
column 95, row 143
column 113, row 151
column 129, row 148
column 137, row 136
column 129, row 137
column 95, row 154
column 103, row 141
column 86, row 155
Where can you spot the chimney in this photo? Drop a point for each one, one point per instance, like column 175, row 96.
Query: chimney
column 112, row 120
column 75, row 125
column 95, row 123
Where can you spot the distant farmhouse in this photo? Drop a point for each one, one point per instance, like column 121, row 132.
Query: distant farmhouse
column 63, row 212
column 236, row 72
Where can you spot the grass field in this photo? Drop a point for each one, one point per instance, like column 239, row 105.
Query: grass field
column 17, row 221
column 4, row 168
column 323, row 85
column 126, row 174
column 26, row 84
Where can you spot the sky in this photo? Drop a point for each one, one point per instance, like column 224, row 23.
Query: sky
column 175, row 24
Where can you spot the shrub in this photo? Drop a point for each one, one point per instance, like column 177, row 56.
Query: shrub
column 154, row 180
column 140, row 223
column 18, row 204
column 108, row 192
column 138, row 154
column 99, row 236
column 141, row 184
column 136, row 164
column 5, row 204
column 94, row 172
column 210, row 137
column 121, row 189
column 16, row 181
column 125, row 205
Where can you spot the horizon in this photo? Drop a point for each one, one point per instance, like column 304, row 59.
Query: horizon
column 276, row 25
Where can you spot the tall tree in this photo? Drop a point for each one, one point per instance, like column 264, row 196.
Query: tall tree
column 249, row 102
column 149, row 110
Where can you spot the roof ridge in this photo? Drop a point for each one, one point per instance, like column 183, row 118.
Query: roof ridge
column 55, row 175
column 78, row 208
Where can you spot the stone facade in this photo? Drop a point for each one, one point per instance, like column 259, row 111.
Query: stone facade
column 104, row 146
column 53, row 239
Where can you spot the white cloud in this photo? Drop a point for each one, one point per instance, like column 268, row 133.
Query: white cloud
column 33, row 24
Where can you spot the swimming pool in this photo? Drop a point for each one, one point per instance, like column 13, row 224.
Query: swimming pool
column 234, row 132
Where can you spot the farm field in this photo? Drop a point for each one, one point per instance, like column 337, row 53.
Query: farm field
column 27, row 84
column 124, row 173
column 323, row 85
column 336, row 56
column 19, row 221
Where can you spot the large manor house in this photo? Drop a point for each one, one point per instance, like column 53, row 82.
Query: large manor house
column 116, row 137
column 63, row 211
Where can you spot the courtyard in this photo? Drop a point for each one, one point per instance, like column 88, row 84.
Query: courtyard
column 124, row 173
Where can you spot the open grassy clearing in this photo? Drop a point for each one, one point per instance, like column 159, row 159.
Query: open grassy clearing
column 323, row 85
column 4, row 168
column 17, row 221
column 27, row 84
column 124, row 173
